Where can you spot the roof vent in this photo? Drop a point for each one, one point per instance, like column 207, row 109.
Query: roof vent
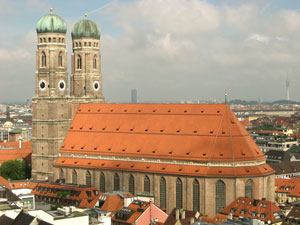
column 243, row 153
column 131, row 166
column 232, row 122
column 63, row 161
column 89, row 163
column 125, row 110
column 75, row 162
column 196, row 171
column 117, row 129
column 154, row 110
column 123, row 150
column 218, row 111
column 72, row 147
column 223, row 132
column 109, row 149
column 95, row 148
column 71, row 127
column 131, row 129
column 62, row 146
column 202, row 111
column 161, row 130
column 185, row 111
column 89, row 110
column 220, row 171
column 247, row 171
column 204, row 154
column 91, row 128
column 163, row 168
column 102, row 164
column 195, row 131
column 139, row 110
column 117, row 165
column 221, row 154
column 153, row 151
column 139, row 150
column 148, row 167
column 103, row 128
column 170, row 153
column 188, row 153
column 79, row 110
column 169, row 110
column 111, row 110
column 99, row 110
column 180, row 170
column 211, row 132
column 80, row 128
column 146, row 130
column 177, row 131
column 82, row 147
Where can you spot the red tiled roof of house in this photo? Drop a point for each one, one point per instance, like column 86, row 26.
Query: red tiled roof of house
column 11, row 151
column 255, row 209
column 4, row 182
column 79, row 195
column 203, row 133
column 19, row 184
column 219, row 218
column 113, row 202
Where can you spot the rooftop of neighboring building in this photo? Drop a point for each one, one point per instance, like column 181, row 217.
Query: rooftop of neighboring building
column 13, row 151
column 184, row 217
column 286, row 167
column 5, row 220
column 293, row 217
column 278, row 155
column 109, row 202
column 254, row 208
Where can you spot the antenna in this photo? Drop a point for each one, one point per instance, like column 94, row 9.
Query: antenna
column 225, row 96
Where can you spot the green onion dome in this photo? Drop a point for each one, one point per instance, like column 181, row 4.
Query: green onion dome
column 51, row 24
column 86, row 29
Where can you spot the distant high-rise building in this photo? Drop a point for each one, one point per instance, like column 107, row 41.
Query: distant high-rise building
column 7, row 113
column 287, row 84
column 133, row 96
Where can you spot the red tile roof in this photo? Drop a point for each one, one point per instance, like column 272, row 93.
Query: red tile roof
column 289, row 186
column 78, row 195
column 203, row 133
column 219, row 218
column 113, row 202
column 255, row 209
column 11, row 151
column 4, row 182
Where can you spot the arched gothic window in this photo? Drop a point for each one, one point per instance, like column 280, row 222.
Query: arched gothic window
column 196, row 197
column 60, row 60
column 131, row 184
column 88, row 179
column 76, row 44
column 95, row 62
column 61, row 174
column 178, row 193
column 249, row 189
column 43, row 59
column 78, row 62
column 220, row 195
column 162, row 192
column 102, row 182
column 116, row 182
column 146, row 184
column 74, row 177
column 268, row 189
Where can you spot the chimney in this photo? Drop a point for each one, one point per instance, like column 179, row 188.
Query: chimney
column 20, row 142
column 177, row 214
column 183, row 214
column 192, row 220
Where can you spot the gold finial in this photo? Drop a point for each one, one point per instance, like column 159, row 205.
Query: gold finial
column 51, row 10
column 85, row 15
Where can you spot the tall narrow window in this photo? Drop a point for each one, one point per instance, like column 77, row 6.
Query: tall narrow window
column 61, row 174
column 220, row 195
column 146, row 184
column 43, row 59
column 95, row 62
column 88, row 179
column 269, row 189
column 74, row 177
column 116, row 182
column 102, row 182
column 162, row 192
column 178, row 193
column 60, row 60
column 78, row 62
column 196, row 198
column 131, row 184
column 249, row 189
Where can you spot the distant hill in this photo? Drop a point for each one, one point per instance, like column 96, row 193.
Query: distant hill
column 277, row 102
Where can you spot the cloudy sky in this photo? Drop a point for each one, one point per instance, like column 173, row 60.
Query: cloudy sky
column 169, row 50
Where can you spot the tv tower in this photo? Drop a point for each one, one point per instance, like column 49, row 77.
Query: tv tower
column 287, row 85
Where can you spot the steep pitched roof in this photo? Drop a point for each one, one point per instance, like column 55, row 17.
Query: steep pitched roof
column 11, row 151
column 286, row 167
column 194, row 132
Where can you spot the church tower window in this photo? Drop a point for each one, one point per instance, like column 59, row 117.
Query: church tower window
column 88, row 179
column 78, row 62
column 196, row 196
column 116, row 182
column 95, row 62
column 146, row 184
column 220, row 195
column 60, row 60
column 74, row 177
column 249, row 189
column 162, row 191
column 131, row 184
column 43, row 59
column 178, row 193
column 102, row 182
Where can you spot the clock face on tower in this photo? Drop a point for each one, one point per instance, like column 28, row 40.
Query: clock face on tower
column 96, row 85
column 61, row 85
column 42, row 85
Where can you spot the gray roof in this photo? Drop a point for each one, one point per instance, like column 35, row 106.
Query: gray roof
column 286, row 167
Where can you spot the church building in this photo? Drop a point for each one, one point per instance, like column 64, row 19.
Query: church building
column 193, row 156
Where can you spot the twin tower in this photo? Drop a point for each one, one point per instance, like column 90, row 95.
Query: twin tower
column 54, row 105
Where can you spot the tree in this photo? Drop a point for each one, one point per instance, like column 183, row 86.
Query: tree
column 14, row 169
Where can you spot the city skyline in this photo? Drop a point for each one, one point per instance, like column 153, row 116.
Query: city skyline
column 167, row 50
